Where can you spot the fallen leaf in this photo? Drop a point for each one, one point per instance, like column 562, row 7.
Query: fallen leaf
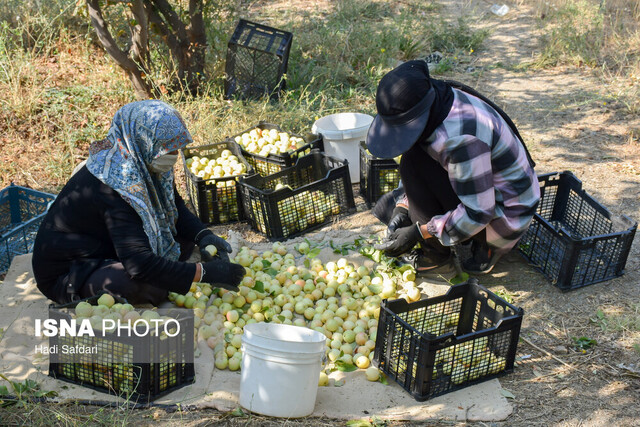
column 506, row 393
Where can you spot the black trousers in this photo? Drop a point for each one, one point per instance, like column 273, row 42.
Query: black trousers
column 428, row 190
column 111, row 276
column 427, row 186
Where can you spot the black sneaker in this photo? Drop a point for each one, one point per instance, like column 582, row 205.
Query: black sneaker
column 482, row 260
column 423, row 259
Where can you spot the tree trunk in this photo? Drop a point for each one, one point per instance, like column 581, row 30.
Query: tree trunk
column 198, row 42
column 187, row 43
column 134, row 70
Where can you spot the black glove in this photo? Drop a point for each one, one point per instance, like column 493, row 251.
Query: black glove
column 401, row 241
column 223, row 274
column 205, row 238
column 399, row 219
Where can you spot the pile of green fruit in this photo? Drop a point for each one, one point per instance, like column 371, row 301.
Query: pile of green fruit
column 264, row 142
column 338, row 298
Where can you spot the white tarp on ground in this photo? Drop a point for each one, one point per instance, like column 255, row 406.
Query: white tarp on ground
column 21, row 303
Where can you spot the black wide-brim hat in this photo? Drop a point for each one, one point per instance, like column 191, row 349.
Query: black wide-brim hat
column 404, row 99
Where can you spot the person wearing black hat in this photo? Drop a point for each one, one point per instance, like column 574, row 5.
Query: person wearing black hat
column 466, row 174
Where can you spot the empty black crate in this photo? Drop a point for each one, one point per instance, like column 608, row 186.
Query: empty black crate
column 299, row 198
column 216, row 200
column 274, row 163
column 116, row 367
column 377, row 176
column 437, row 345
column 257, row 58
column 573, row 239
column 21, row 212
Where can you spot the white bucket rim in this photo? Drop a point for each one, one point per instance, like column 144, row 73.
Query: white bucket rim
column 279, row 356
column 341, row 134
column 266, row 334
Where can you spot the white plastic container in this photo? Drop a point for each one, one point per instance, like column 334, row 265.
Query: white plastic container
column 280, row 369
column 342, row 134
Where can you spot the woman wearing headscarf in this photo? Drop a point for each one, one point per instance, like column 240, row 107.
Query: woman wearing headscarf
column 120, row 226
column 466, row 174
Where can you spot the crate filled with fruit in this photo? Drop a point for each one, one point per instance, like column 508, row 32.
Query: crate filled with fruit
column 106, row 344
column 269, row 149
column 299, row 198
column 436, row 345
column 212, row 173
column 377, row 176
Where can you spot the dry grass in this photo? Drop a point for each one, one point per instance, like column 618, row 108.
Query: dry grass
column 602, row 35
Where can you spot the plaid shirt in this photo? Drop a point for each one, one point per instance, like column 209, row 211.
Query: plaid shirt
column 489, row 171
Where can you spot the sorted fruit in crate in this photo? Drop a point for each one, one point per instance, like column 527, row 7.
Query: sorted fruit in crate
column 227, row 164
column 269, row 141
column 466, row 335
column 377, row 176
column 299, row 197
column 119, row 349
column 212, row 173
column 305, row 209
column 389, row 180
column 395, row 159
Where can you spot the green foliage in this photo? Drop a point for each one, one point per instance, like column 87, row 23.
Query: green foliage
column 505, row 295
column 349, row 49
column 21, row 391
column 344, row 366
column 628, row 319
column 583, row 343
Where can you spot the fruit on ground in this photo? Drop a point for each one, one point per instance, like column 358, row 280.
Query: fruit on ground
column 372, row 373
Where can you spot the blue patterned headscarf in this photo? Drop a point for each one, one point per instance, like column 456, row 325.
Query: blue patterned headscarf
column 140, row 132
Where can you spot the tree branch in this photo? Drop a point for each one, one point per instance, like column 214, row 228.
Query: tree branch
column 196, row 27
column 130, row 67
column 169, row 37
column 140, row 35
column 109, row 44
column 172, row 19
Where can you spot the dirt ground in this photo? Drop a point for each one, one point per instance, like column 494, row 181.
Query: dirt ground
column 570, row 121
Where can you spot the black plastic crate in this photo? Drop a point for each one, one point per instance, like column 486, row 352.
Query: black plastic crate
column 274, row 163
column 216, row 200
column 437, row 345
column 116, row 368
column 573, row 239
column 377, row 176
column 257, row 58
column 21, row 212
column 299, row 198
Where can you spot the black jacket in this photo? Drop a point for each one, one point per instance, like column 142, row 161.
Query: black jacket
column 90, row 222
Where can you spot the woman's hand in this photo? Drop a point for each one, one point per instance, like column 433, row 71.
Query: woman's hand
column 206, row 238
column 223, row 274
column 399, row 219
column 401, row 241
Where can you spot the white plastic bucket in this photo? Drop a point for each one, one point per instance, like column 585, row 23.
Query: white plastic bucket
column 280, row 369
column 342, row 134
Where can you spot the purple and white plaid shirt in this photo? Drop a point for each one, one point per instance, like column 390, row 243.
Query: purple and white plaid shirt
column 489, row 171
